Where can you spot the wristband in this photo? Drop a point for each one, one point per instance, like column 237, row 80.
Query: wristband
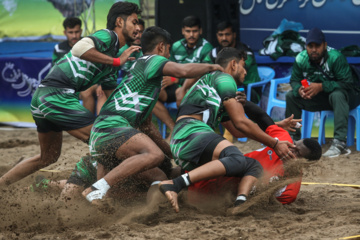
column 172, row 79
column 116, row 62
column 277, row 140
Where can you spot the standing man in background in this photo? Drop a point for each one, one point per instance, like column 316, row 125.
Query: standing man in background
column 72, row 31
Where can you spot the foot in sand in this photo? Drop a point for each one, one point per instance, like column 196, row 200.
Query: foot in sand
column 99, row 199
column 167, row 188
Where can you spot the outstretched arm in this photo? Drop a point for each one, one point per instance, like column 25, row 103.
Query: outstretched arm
column 189, row 70
column 259, row 116
column 85, row 49
column 242, row 123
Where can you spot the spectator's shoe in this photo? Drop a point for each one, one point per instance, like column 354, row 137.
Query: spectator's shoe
column 337, row 148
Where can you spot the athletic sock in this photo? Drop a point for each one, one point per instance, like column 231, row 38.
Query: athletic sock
column 240, row 200
column 181, row 182
column 101, row 185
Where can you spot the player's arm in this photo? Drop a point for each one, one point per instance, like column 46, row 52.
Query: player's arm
column 85, row 49
column 149, row 129
column 189, row 70
column 243, row 124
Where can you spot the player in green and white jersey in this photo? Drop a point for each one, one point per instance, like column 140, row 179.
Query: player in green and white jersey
column 123, row 139
column 55, row 106
column 135, row 55
column 198, row 149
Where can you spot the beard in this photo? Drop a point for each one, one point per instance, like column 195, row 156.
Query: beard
column 315, row 58
column 225, row 44
column 128, row 38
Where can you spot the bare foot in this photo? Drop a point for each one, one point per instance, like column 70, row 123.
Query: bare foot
column 86, row 192
column 172, row 196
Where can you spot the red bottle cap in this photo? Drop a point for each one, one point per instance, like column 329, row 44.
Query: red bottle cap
column 305, row 83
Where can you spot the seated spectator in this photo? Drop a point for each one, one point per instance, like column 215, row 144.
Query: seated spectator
column 332, row 87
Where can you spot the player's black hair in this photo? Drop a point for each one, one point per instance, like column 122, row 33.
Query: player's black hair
column 141, row 22
column 120, row 9
column 227, row 54
column 224, row 25
column 314, row 147
column 191, row 21
column 71, row 22
column 152, row 36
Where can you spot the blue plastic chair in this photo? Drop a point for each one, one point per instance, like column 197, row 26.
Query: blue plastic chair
column 307, row 123
column 354, row 122
column 266, row 74
column 273, row 101
column 162, row 127
column 307, row 117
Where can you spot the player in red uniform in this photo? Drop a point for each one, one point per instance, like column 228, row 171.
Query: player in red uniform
column 273, row 166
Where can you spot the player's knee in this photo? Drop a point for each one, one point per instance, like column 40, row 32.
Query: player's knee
column 237, row 165
column 156, row 156
column 337, row 95
column 254, row 168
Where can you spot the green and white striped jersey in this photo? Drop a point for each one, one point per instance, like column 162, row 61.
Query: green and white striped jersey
column 207, row 96
column 136, row 95
column 126, row 67
column 78, row 74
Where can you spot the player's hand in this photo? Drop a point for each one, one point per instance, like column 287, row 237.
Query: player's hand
column 302, row 92
column 166, row 82
column 125, row 56
column 290, row 124
column 312, row 90
column 217, row 67
column 241, row 97
column 282, row 149
column 99, row 91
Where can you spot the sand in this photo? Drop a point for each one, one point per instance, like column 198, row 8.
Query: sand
column 320, row 211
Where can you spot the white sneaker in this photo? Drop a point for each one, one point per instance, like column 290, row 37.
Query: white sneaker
column 337, row 147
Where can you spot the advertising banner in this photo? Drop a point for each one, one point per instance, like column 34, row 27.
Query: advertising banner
column 19, row 78
column 338, row 19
